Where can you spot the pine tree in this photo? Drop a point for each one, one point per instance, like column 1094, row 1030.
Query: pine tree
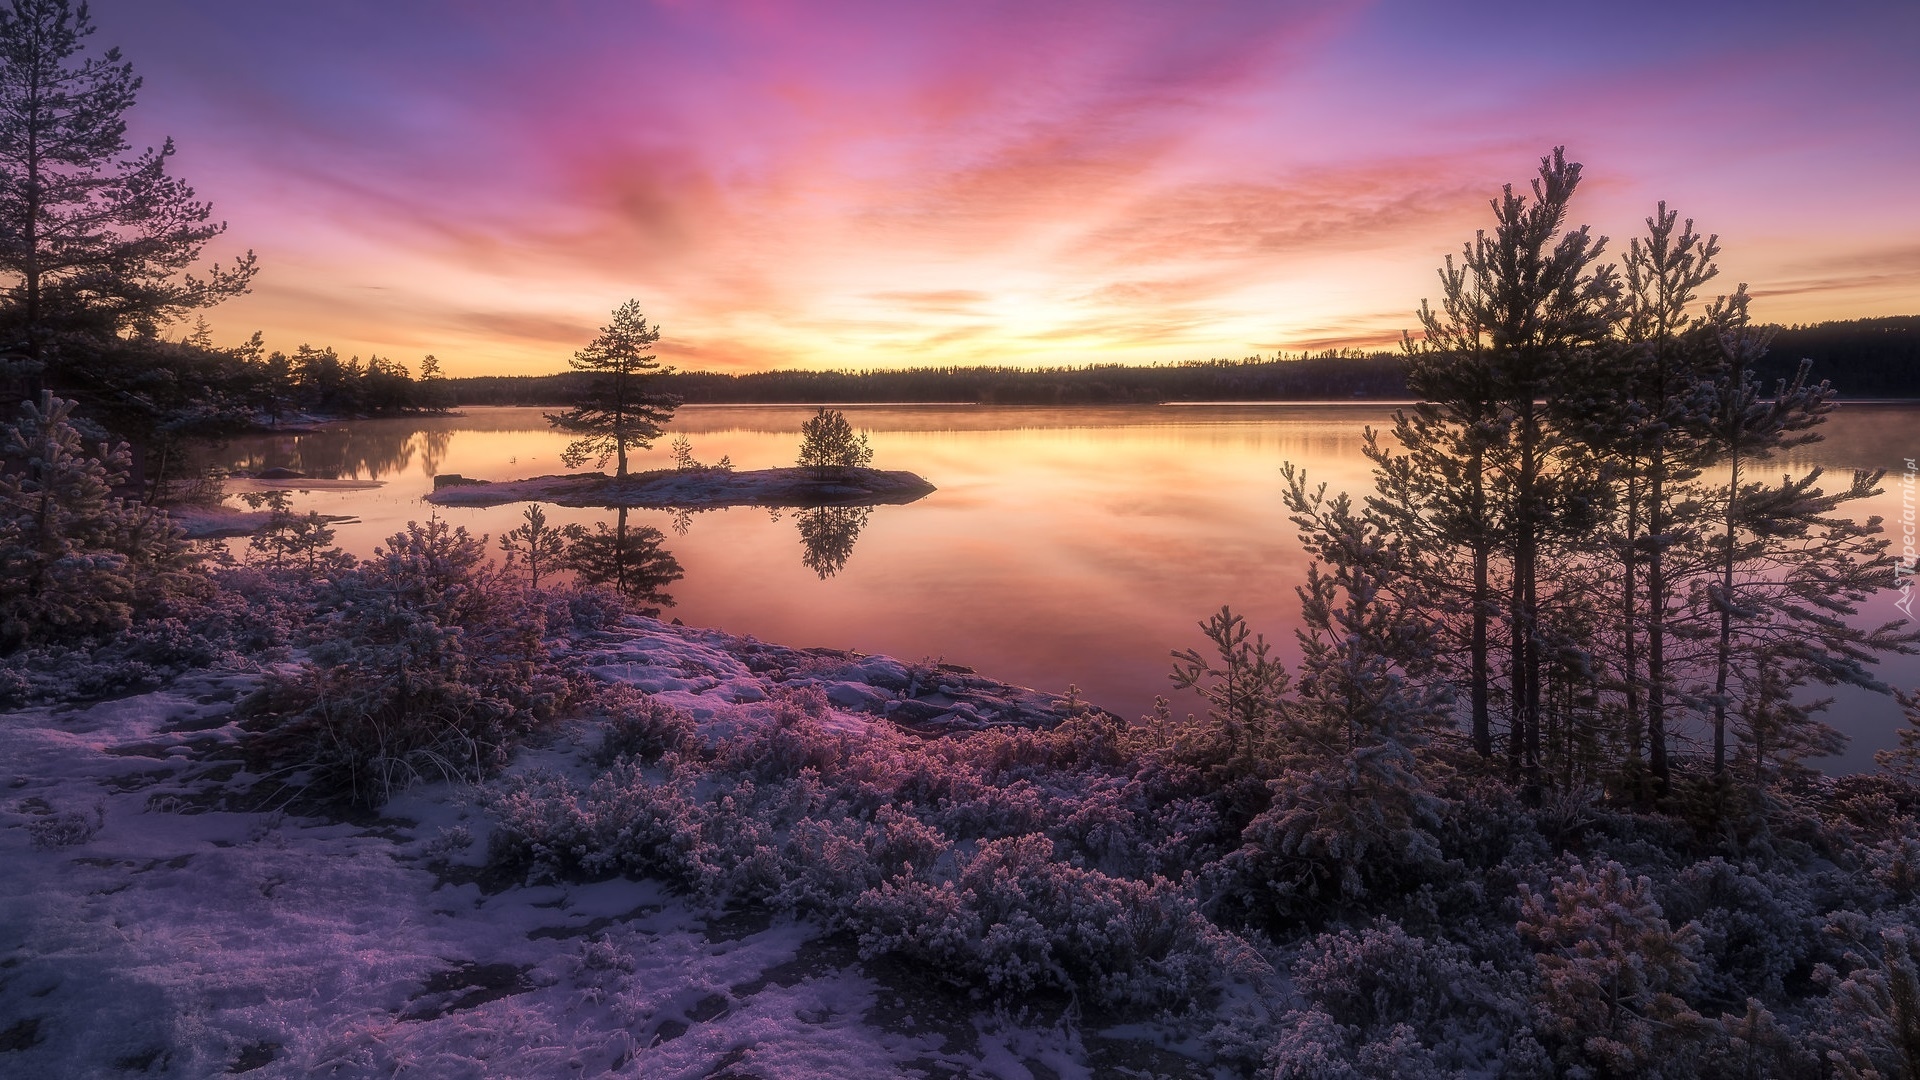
column 534, row 545
column 828, row 444
column 98, row 241
column 1613, row 973
column 1353, row 793
column 1491, row 464
column 618, row 412
column 1788, row 571
column 1640, row 406
column 74, row 559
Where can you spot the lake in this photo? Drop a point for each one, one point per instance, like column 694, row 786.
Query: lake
column 1063, row 545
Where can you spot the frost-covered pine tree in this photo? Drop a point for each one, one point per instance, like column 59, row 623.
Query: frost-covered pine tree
column 1353, row 799
column 1613, row 975
column 1245, row 694
column 75, row 559
column 534, row 545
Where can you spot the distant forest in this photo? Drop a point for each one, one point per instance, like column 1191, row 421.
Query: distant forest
column 1863, row 358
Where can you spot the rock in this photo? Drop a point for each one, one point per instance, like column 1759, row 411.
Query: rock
column 447, row 480
column 279, row 474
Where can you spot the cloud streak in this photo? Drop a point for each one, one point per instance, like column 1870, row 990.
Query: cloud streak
column 867, row 184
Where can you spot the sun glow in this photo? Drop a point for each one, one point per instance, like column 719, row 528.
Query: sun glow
column 855, row 185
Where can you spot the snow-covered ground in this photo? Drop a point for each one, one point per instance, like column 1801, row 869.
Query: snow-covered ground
column 161, row 913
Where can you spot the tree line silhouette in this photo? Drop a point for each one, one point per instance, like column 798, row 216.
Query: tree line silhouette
column 1870, row 358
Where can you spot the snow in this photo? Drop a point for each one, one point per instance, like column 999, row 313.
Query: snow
column 187, row 925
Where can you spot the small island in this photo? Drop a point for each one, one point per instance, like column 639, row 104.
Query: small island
column 694, row 489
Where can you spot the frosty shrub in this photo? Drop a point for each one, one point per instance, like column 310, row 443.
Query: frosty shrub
column 52, row 832
column 930, row 850
column 427, row 667
column 1014, row 919
column 1610, row 998
column 1872, row 1013
column 1382, row 977
column 634, row 725
column 76, row 561
column 1756, row 930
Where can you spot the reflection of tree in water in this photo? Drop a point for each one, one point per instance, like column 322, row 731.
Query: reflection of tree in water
column 827, row 534
column 629, row 558
column 369, row 450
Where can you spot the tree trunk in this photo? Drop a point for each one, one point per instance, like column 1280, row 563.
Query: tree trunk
column 1656, row 624
column 1630, row 656
column 1526, row 598
column 1724, row 651
column 1482, row 553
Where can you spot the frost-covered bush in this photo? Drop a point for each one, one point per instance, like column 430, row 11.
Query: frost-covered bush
column 52, row 832
column 1755, row 928
column 1869, row 1025
column 1381, row 977
column 1613, row 975
column 1014, row 918
column 427, row 666
column 76, row 561
column 633, row 724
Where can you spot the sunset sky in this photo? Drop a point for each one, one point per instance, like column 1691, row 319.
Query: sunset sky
column 907, row 183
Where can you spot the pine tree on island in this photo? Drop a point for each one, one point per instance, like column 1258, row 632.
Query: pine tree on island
column 828, row 445
column 617, row 411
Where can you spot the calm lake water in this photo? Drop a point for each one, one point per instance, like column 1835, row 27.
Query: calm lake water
column 1064, row 545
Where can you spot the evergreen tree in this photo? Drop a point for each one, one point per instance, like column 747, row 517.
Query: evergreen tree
column 1648, row 405
column 828, row 444
column 1613, row 975
column 533, row 544
column 1490, row 465
column 99, row 242
column 1245, row 695
column 1353, row 802
column 1787, row 571
column 74, row 559
column 618, row 411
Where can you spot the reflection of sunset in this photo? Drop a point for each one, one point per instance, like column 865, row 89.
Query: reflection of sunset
column 1061, row 545
column 857, row 185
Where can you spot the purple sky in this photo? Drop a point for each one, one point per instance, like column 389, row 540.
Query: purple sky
column 906, row 183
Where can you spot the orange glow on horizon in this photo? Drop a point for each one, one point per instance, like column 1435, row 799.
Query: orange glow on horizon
column 860, row 185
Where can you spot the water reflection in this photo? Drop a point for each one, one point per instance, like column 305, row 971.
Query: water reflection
column 368, row 450
column 827, row 534
column 629, row 558
column 1063, row 545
